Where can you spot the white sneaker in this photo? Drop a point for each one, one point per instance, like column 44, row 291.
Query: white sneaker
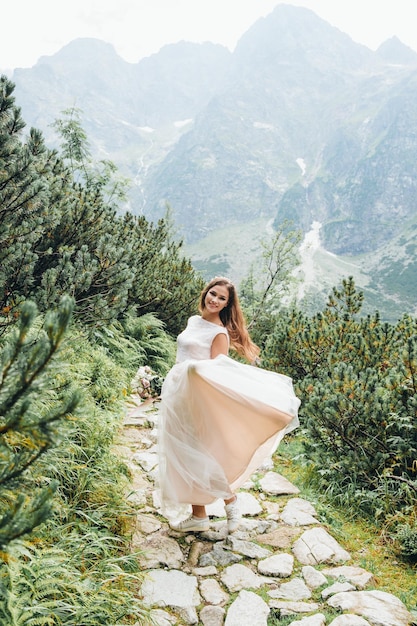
column 233, row 515
column 192, row 525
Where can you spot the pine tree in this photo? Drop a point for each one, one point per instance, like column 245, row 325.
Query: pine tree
column 22, row 209
column 62, row 232
column 356, row 377
column 165, row 282
column 112, row 262
column 34, row 399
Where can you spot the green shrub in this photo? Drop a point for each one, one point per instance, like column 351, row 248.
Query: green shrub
column 406, row 536
column 76, row 568
column 357, row 380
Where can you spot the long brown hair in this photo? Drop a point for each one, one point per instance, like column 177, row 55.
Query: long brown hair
column 233, row 319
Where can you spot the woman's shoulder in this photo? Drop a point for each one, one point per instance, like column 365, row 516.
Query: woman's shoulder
column 194, row 319
column 212, row 327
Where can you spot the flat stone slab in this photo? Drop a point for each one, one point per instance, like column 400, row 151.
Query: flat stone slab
column 212, row 591
column 170, row 588
column 249, row 527
column 237, row 577
column 212, row 615
column 219, row 556
column 280, row 565
column 295, row 590
column 147, row 460
column 349, row 620
column 272, row 509
column 276, row 485
column 337, row 588
column 287, row 608
column 131, row 437
column 147, row 523
column 356, row 575
column 378, row 607
column 158, row 550
column 160, row 617
column 317, row 546
column 299, row 512
column 313, row 577
column 247, row 548
column 210, row 570
column 283, row 537
column 248, row 608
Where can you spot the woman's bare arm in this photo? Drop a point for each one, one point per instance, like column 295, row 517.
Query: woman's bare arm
column 220, row 345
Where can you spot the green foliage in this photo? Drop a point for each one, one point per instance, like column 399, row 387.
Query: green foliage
column 34, row 398
column 406, row 536
column 44, row 586
column 357, row 380
column 89, row 475
column 114, row 263
column 92, row 480
column 165, row 282
column 103, row 176
column 22, row 203
column 62, row 232
column 157, row 349
column 75, row 570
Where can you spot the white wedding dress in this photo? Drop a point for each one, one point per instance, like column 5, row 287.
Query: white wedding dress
column 219, row 420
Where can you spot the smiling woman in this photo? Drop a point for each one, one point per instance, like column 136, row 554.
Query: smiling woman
column 219, row 418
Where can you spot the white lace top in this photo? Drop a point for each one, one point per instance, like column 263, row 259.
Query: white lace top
column 195, row 341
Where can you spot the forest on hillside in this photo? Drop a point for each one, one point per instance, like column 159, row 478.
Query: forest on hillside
column 88, row 294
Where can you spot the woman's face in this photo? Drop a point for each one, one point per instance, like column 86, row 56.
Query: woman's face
column 216, row 298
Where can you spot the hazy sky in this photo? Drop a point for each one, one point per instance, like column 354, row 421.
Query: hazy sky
column 138, row 28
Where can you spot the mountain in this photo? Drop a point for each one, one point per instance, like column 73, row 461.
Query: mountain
column 244, row 149
column 299, row 123
column 121, row 103
column 395, row 52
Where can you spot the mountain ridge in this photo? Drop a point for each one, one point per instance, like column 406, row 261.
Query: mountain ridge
column 299, row 123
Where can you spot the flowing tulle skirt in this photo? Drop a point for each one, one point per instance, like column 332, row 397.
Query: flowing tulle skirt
column 219, row 420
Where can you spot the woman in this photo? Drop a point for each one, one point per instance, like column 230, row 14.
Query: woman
column 219, row 418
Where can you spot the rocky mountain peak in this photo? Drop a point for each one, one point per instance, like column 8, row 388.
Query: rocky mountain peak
column 394, row 51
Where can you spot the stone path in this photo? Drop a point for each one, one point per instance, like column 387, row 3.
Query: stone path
column 281, row 564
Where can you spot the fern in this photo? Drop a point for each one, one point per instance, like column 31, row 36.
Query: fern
column 44, row 586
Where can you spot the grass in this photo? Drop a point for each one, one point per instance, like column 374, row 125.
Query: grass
column 364, row 540
column 77, row 567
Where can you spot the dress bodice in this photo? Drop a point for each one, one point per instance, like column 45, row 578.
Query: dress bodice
column 195, row 341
